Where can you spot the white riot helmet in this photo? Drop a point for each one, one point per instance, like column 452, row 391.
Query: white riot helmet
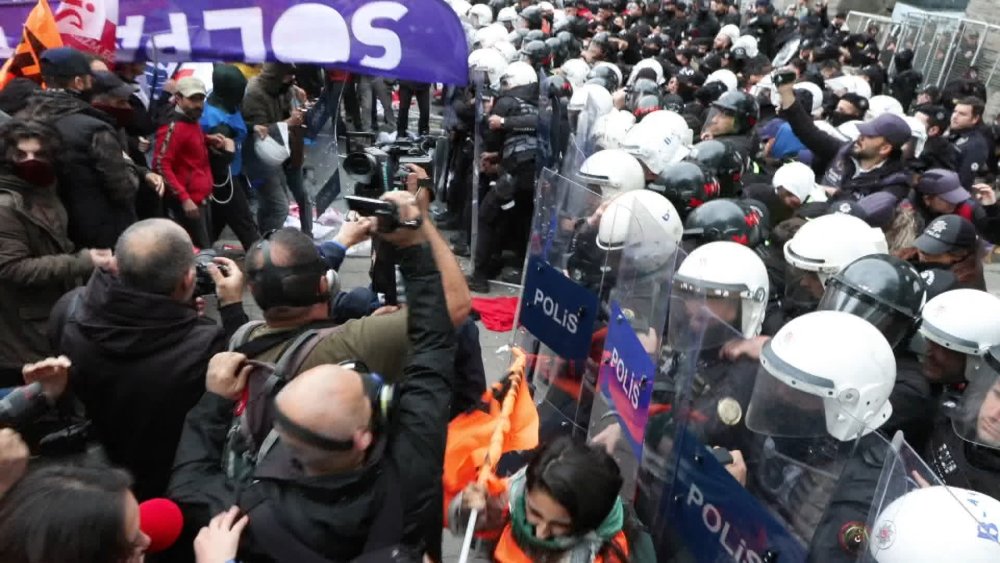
column 611, row 172
column 815, row 93
column 575, row 70
column 828, row 128
column 726, row 77
column 507, row 15
column 821, row 248
column 719, row 293
column 808, row 388
column 799, row 180
column 918, row 134
column 670, row 123
column 748, row 43
column 731, row 31
column 490, row 34
column 480, row 15
column 910, row 529
column 490, row 62
column 273, row 150
column 849, row 84
column 614, row 68
column 879, row 105
column 654, row 148
column 850, row 130
column 963, row 320
column 461, row 7
column 617, row 221
column 508, row 51
column 612, row 127
column 591, row 93
column 517, row 74
column 647, row 63
column 766, row 87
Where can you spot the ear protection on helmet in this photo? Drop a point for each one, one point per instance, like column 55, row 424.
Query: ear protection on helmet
column 290, row 286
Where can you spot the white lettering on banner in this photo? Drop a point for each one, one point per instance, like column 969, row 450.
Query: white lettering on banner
column 307, row 20
column 628, row 380
column 250, row 22
column 551, row 309
column 5, row 51
column 715, row 523
column 361, row 22
column 311, row 33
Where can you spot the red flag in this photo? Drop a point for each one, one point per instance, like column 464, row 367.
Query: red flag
column 40, row 33
column 89, row 26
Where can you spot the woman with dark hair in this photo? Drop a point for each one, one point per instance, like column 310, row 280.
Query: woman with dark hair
column 563, row 506
column 69, row 514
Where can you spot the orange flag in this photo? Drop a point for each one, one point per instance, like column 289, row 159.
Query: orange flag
column 40, row 33
column 477, row 439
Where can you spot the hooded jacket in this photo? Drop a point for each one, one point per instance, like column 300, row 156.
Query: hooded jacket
column 97, row 182
column 139, row 364
column 222, row 114
column 268, row 100
column 181, row 156
column 37, row 266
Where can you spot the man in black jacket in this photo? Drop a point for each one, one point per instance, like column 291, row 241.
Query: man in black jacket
column 97, row 182
column 340, row 461
column 968, row 134
column 872, row 164
column 139, row 347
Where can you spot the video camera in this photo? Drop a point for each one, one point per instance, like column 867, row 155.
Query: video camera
column 383, row 167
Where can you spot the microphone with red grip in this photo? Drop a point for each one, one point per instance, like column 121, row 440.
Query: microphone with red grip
column 162, row 521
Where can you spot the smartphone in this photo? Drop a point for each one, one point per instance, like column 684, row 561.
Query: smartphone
column 369, row 207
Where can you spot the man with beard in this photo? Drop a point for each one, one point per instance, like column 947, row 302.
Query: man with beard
column 181, row 155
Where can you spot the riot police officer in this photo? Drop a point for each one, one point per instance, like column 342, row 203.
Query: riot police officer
column 731, row 120
column 687, row 185
column 511, row 146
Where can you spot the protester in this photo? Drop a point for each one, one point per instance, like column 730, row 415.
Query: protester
column 37, row 260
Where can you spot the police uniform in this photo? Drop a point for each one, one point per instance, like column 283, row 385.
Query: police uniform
column 957, row 462
column 974, row 154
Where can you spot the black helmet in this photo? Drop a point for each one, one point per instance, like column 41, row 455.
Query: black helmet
column 605, row 76
column 535, row 35
column 532, row 15
column 882, row 289
column 559, row 87
column 687, row 185
column 722, row 161
column 758, row 218
column 536, row 53
column 904, row 59
column 557, row 49
column 721, row 219
column 603, row 40
column 744, row 108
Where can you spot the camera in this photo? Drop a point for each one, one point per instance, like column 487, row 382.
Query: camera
column 383, row 167
column 203, row 282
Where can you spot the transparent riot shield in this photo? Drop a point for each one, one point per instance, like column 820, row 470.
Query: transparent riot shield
column 547, row 127
column 559, row 315
column 582, row 142
column 479, row 84
column 637, row 312
column 737, row 465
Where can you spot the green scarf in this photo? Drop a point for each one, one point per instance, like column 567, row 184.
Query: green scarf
column 524, row 533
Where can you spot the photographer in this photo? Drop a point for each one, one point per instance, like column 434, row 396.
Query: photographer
column 140, row 346
column 345, row 477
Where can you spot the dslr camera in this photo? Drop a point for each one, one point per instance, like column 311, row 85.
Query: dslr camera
column 203, row 282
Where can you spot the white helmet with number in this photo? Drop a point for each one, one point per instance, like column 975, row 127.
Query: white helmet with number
column 827, row 243
column 517, row 74
column 613, row 171
column 882, row 104
column 816, row 93
column 480, row 15
column 669, row 123
column 617, row 222
column 726, row 77
column 647, row 63
column 654, row 148
column 507, row 15
column 749, row 45
column 575, row 70
column 963, row 320
column 591, row 93
column 725, row 270
column 841, row 391
column 911, row 528
column 490, row 61
column 490, row 34
column 611, row 128
column 271, row 151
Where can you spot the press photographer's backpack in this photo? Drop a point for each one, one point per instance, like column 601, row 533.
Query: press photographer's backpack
column 252, row 436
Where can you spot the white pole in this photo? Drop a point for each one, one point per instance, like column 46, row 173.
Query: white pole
column 467, row 542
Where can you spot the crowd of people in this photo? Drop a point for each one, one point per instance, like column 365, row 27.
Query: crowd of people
column 814, row 284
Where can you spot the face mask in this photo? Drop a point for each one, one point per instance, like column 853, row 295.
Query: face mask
column 122, row 116
column 839, row 118
column 36, row 172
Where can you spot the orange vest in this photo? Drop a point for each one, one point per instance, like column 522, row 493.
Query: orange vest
column 507, row 550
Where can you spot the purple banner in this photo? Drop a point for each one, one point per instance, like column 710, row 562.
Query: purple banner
column 419, row 40
column 626, row 378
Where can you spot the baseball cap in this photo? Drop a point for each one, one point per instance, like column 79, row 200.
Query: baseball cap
column 191, row 86
column 946, row 234
column 108, row 83
column 890, row 126
column 64, row 62
column 943, row 184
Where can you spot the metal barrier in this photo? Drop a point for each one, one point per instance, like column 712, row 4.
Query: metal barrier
column 944, row 47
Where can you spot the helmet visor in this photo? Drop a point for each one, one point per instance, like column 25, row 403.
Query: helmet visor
column 803, row 288
column 893, row 324
column 719, row 121
column 703, row 317
column 782, row 411
column 977, row 417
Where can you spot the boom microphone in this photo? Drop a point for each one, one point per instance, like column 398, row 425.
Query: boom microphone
column 162, row 521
